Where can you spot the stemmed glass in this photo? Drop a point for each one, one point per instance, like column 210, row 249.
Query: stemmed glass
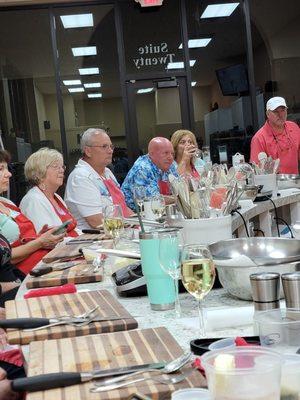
column 139, row 194
column 113, row 221
column 158, row 206
column 169, row 260
column 198, row 275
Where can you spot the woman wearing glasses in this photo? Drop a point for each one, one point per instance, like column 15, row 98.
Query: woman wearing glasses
column 28, row 246
column 91, row 185
column 44, row 170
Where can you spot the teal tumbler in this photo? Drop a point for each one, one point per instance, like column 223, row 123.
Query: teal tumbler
column 160, row 286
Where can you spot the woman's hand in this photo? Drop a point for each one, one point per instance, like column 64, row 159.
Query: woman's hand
column 48, row 240
column 5, row 388
column 188, row 152
column 3, row 339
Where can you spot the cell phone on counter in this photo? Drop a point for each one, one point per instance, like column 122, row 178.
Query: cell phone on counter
column 62, row 228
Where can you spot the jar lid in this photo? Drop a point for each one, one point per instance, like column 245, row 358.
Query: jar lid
column 291, row 276
column 264, row 276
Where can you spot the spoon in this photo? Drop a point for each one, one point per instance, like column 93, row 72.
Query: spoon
column 172, row 366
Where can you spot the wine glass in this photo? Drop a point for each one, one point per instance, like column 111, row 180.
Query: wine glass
column 198, row 275
column 158, row 206
column 169, row 260
column 139, row 194
column 113, row 221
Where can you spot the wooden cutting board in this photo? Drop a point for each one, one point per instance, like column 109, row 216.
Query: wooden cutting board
column 66, row 251
column 81, row 273
column 67, row 304
column 108, row 351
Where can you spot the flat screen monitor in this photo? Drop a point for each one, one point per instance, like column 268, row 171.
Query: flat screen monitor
column 233, row 80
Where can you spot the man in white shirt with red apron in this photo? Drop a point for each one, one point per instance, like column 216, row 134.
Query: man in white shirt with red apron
column 91, row 185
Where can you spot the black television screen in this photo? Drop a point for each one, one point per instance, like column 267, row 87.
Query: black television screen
column 233, row 80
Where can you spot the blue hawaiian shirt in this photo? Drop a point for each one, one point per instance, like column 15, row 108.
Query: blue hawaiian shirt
column 145, row 173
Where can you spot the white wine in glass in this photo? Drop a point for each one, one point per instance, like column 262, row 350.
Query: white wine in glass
column 158, row 206
column 113, row 222
column 198, row 275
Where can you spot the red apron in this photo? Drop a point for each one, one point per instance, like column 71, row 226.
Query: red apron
column 27, row 233
column 164, row 188
column 64, row 216
column 117, row 196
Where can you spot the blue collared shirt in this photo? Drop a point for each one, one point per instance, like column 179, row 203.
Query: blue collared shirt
column 145, row 173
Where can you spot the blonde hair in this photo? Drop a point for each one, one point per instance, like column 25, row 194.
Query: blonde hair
column 178, row 135
column 35, row 168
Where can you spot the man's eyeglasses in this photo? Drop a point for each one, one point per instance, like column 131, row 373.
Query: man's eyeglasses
column 285, row 143
column 102, row 146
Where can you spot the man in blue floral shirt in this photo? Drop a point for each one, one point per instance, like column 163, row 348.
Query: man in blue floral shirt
column 151, row 171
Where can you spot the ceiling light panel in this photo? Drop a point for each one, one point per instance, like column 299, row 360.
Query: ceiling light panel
column 76, row 90
column 146, row 90
column 179, row 64
column 72, row 82
column 195, row 43
column 219, row 10
column 84, row 51
column 92, row 85
column 89, row 71
column 77, row 20
column 94, row 95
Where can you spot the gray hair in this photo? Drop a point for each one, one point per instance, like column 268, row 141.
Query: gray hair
column 35, row 168
column 86, row 136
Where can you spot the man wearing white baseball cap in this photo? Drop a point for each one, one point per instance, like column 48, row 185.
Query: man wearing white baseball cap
column 278, row 137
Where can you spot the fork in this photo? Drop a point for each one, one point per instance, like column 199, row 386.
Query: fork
column 167, row 380
column 69, row 320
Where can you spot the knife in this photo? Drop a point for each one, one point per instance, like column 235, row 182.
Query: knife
column 63, row 379
column 45, row 269
column 31, row 323
column 120, row 253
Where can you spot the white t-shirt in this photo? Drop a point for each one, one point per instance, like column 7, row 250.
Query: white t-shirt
column 37, row 207
column 86, row 194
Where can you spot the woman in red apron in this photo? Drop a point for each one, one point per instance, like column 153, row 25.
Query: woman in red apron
column 44, row 170
column 28, row 247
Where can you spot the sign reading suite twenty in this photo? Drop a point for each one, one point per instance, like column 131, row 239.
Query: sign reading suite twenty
column 151, row 55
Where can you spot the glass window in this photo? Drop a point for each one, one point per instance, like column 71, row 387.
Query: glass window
column 276, row 36
column 90, row 83
column 28, row 105
column 220, row 85
column 152, row 37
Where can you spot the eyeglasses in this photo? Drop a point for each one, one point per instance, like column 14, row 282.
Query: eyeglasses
column 57, row 167
column 284, row 146
column 102, row 146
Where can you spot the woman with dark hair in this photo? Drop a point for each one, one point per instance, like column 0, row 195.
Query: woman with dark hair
column 28, row 247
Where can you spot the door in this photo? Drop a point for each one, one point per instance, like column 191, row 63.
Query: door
column 157, row 107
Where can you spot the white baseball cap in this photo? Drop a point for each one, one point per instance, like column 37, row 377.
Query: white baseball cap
column 275, row 102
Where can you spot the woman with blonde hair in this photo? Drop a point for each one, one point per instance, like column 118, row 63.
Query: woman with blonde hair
column 44, row 170
column 28, row 246
column 185, row 148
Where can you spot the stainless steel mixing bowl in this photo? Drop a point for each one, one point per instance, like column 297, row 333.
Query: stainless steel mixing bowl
column 287, row 181
column 237, row 259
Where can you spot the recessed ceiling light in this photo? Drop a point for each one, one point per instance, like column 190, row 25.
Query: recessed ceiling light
column 146, row 90
column 84, row 51
column 77, row 20
column 94, row 95
column 72, row 82
column 193, row 83
column 76, row 90
column 193, row 43
column 219, row 10
column 179, row 64
column 88, row 71
column 92, row 85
